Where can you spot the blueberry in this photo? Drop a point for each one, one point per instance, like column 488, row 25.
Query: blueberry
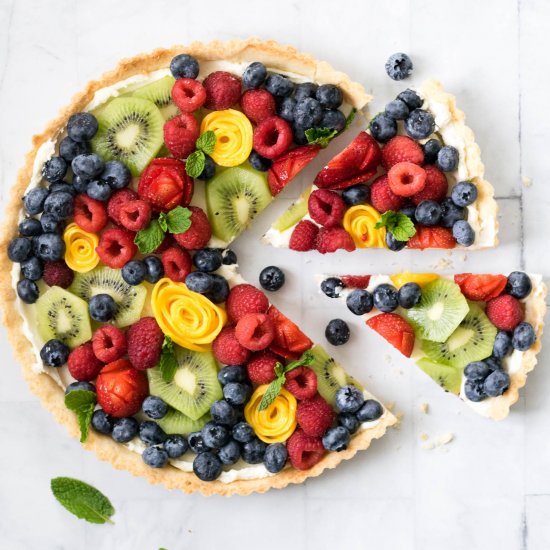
column 175, row 446
column 34, row 200
column 253, row 452
column 463, row 233
column 464, row 193
column 30, row 227
column 50, row 223
column 337, row 332
column 220, row 289
column 80, row 184
column 208, row 259
column 496, row 383
column 87, row 165
column 447, row 158
column 102, row 422
column 383, row 128
column 349, row 399
column 359, row 301
column 62, row 186
column 258, row 162
column 428, row 213
column 229, row 257
column 209, row 169
column 370, row 410
column 99, row 190
column 477, row 371
column 116, row 174
column 420, row 124
column 450, row 212
column 196, row 443
column 431, row 149
column 285, row 108
column 524, row 336
column 397, row 109
column 19, row 249
column 493, row 363
column 336, row 439
column 151, row 433
column 272, row 278
column 254, row 75
column 411, row 99
column 184, row 66
column 333, row 119
column 59, row 204
column 279, row 85
column 102, row 307
column 134, row 272
column 223, row 413
column 54, row 353
column 386, row 298
column 519, row 284
column 275, row 457
column 243, row 432
column 75, row 386
column 27, row 291
column 230, row 452
column 393, row 243
column 349, row 421
column 54, row 169
column 155, row 269
column 82, row 127
column 399, row 66
column 409, row 295
column 198, row 281
column 305, row 89
column 232, row 373
column 49, row 247
column 356, row 194
column 32, row 269
column 155, row 457
column 207, row 466
column 308, row 112
column 502, row 345
column 299, row 134
column 215, row 435
column 69, row 148
column 332, row 287
column 474, row 391
column 329, row 96
column 409, row 211
column 154, row 407
column 125, row 429
column 236, row 393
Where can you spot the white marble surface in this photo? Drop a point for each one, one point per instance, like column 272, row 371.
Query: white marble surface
column 490, row 487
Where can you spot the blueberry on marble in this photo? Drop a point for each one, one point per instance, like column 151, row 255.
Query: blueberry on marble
column 496, row 383
column 198, row 281
column 32, row 269
column 209, row 169
column 428, row 212
column 349, row 421
column 175, row 446
column 30, row 227
column 519, row 285
column 19, row 249
column 230, row 452
column 54, row 353
column 116, row 174
column 155, row 457
column 80, row 385
column 232, row 373
column 397, row 109
column 447, row 158
column 272, row 278
column 431, row 149
column 220, row 289
column 99, row 190
column 308, row 112
column 69, row 148
column 477, row 371
column 332, row 287
column 279, row 85
column 337, row 332
column 254, row 75
column 34, row 200
column 411, row 99
column 450, row 212
column 356, row 194
column 409, row 295
column 223, row 413
column 151, row 433
column 503, row 344
column 286, row 107
column 399, row 66
column 370, row 410
column 102, row 422
column 59, row 204
column 474, row 391
column 336, row 439
column 464, row 193
column 383, row 128
column 420, row 124
column 87, row 165
column 275, row 457
column 393, row 244
column 82, row 127
column 49, row 247
column 154, row 407
column 208, row 259
column 523, row 337
column 184, row 66
column 329, row 96
column 253, row 451
column 463, row 233
column 243, row 432
column 386, row 298
column 102, row 307
column 155, row 269
column 28, row 291
column 258, row 162
column 359, row 301
column 125, row 429
column 207, row 466
column 50, row 223
column 236, row 393
column 349, row 399
column 196, row 442
column 333, row 119
column 54, row 169
column 134, row 272
column 305, row 89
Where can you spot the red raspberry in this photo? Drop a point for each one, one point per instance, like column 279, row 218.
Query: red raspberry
column 255, row 331
column 258, row 105
column 331, row 239
column 109, row 343
column 401, row 149
column 304, row 451
column 116, row 247
column 117, row 201
column 222, row 90
column 406, row 179
column 166, row 243
column 144, row 343
column 382, row 197
column 180, row 134
column 135, row 215
column 301, row 383
column 188, row 94
column 227, row 350
column 58, row 274
column 272, row 137
column 177, row 263
column 326, row 207
column 356, row 281
column 245, row 299
column 198, row 235
column 261, row 367
column 83, row 364
column 436, row 186
column 303, row 236
column 89, row 214
column 505, row 312
column 315, row 416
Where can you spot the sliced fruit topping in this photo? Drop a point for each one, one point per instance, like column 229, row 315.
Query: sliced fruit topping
column 288, row 166
column 505, row 312
column 432, row 237
column 289, row 341
column 481, row 287
column 180, row 135
column 401, row 149
column 360, row 222
column 406, row 179
column 175, row 422
column 356, row 281
column 448, row 377
column 420, row 279
column 395, row 330
column 294, row 214
column 159, row 92
column 80, row 248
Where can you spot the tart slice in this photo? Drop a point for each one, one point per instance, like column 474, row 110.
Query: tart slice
column 414, row 179
column 476, row 335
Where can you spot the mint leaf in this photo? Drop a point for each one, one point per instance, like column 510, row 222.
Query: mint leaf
column 206, row 142
column 178, row 220
column 350, row 118
column 194, row 165
column 82, row 402
column 398, row 224
column 150, row 238
column 81, row 499
column 163, row 222
column 320, row 136
column 168, row 363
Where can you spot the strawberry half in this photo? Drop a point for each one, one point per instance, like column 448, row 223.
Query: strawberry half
column 356, row 281
column 481, row 287
column 432, row 237
column 395, row 330
column 289, row 342
column 288, row 165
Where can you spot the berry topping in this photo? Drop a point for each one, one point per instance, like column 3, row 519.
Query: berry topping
column 54, row 353
column 397, row 109
column 89, row 214
column 329, row 96
column 463, row 233
column 184, row 66
column 333, row 238
column 420, row 124
column 208, row 259
column 505, row 312
column 82, row 127
column 301, row 383
column 307, row 113
column 401, row 149
column 411, row 98
column 188, row 94
column 254, row 75
column 382, row 197
column 102, row 307
column 503, row 344
column 337, row 332
column 259, row 163
column 272, row 278
column 58, row 274
column 524, row 337
column 464, row 193
column 117, row 200
column 83, row 363
column 109, row 343
column 244, row 299
column 436, row 186
column 275, row 457
column 383, row 127
column 116, row 247
column 496, row 383
column 116, row 174
column 326, row 207
column 385, row 298
column 289, row 342
column 371, row 410
column 144, row 343
column 304, row 451
column 314, row 416
column 409, row 295
column 332, row 287
column 431, row 237
column 431, row 148
column 261, row 367
column 395, row 330
column 19, row 249
column 304, row 236
column 287, row 166
column 359, row 301
column 34, row 200
column 428, row 213
column 227, row 349
column 258, row 105
column 135, row 215
column 406, row 179
column 272, row 137
column 54, row 169
column 336, row 439
column 447, row 158
column 180, row 135
column 222, row 90
column 356, row 281
column 519, row 284
column 255, row 331
column 399, row 66
column 279, row 85
column 176, row 263
column 349, row 399
column 87, row 165
column 450, row 212
column 198, row 235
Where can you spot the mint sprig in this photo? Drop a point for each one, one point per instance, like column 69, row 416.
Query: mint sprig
column 323, row 136
column 178, row 220
column 168, row 364
column 82, row 402
column 398, row 224
column 205, row 144
column 350, row 118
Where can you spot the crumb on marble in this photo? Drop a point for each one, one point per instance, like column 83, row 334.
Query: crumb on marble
column 388, row 359
column 438, row 442
column 442, row 264
column 527, row 182
column 424, row 436
column 424, row 408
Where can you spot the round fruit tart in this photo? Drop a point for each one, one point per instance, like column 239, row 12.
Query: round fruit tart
column 123, row 302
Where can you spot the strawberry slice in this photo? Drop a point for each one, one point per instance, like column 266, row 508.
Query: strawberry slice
column 395, row 330
column 357, row 162
column 288, row 165
column 356, row 281
column 289, row 342
column 481, row 287
column 432, row 237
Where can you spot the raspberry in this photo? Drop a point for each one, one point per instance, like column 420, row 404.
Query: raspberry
column 272, row 137
column 432, row 237
column 436, row 186
column 83, row 364
column 166, row 243
column 222, row 90
column 326, row 207
column 315, row 416
column 356, row 281
column 304, row 451
column 301, row 383
column 144, row 343
column 245, row 299
column 258, row 105
column 331, row 239
column 180, row 134
column 505, row 312
column 255, row 331
column 227, row 350
column 117, row 200
column 261, row 367
column 198, row 235
column 116, row 247
column 303, row 236
column 401, row 149
column 89, row 214
column 58, row 274
column 109, row 343
column 406, row 179
column 177, row 263
column 382, row 197
column 188, row 94
column 135, row 215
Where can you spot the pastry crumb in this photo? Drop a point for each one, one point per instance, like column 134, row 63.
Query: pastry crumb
column 399, row 416
column 438, row 442
column 424, row 407
column 442, row 264
column 390, row 406
column 424, row 436
column 388, row 359
column 527, row 182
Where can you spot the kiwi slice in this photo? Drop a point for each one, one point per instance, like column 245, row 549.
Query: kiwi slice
column 472, row 340
column 234, row 196
column 175, row 422
column 160, row 93
column 448, row 377
column 440, row 310
column 330, row 375
column 64, row 316
column 195, row 385
column 130, row 130
column 294, row 214
column 104, row 280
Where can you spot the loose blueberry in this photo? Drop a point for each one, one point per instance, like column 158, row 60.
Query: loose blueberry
column 232, row 373
column 99, row 190
column 184, row 66
column 59, row 204
column 49, row 247
column 524, row 336
column 409, row 295
column 54, row 353
column 329, row 96
column 209, row 169
column 258, row 162
column 286, row 107
column 19, row 249
column 349, row 399
column 253, row 452
column 370, row 410
column 503, row 344
column 359, row 301
column 223, row 413
column 236, row 393
column 383, row 128
column 229, row 257
column 69, row 148
column 356, row 194
column 411, row 99
column 308, row 112
column 279, row 85
column 349, row 421
column 27, row 291
column 386, row 298
column 393, row 244
column 447, row 158
column 254, row 75
column 477, row 371
column 397, row 109
column 134, row 272
column 125, row 429
column 80, row 184
column 102, row 307
column 463, row 233
column 496, row 383
column 102, row 422
column 32, row 269
column 230, row 452
column 82, row 127
column 305, row 89
column 450, row 212
column 420, row 124
column 409, row 211
column 151, row 433
column 332, row 287
column 337, row 332
column 207, row 466
column 336, row 439
column 50, row 223
column 30, row 227
column 215, row 436
column 243, row 432
column 155, row 269
column 175, row 446
column 474, row 391
column 54, row 169
column 333, row 119
column 154, row 407
column 34, row 200
column 220, row 289
column 431, row 149
column 519, row 285
column 428, row 213
column 198, row 281
column 87, row 165
column 155, row 457
column 196, row 443
column 275, row 457
column 399, row 66
column 208, row 259
column 272, row 278
column 116, row 174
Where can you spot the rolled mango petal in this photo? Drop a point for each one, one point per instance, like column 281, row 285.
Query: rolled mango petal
column 80, row 249
column 359, row 221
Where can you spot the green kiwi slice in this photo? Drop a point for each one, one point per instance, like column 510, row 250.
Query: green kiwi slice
column 448, row 377
column 175, row 422
column 160, row 93
column 294, row 214
column 440, row 310
column 234, row 196
column 64, row 316
column 130, row 130
column 104, row 280
column 195, row 385
column 472, row 340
